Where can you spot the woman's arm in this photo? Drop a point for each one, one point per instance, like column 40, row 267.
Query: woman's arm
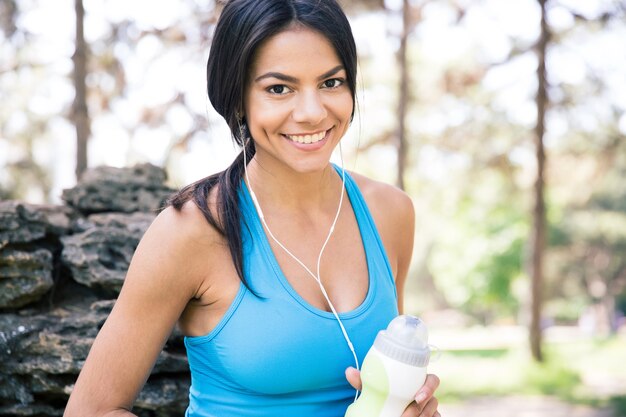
column 160, row 282
column 402, row 222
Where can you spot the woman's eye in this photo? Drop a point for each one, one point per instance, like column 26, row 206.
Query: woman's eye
column 278, row 89
column 333, row 83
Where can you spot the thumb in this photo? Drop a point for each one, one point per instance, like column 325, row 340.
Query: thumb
column 353, row 376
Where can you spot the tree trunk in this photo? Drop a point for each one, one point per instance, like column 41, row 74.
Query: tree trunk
column 403, row 98
column 80, row 115
column 537, row 243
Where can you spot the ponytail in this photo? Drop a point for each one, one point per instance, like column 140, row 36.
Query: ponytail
column 226, row 217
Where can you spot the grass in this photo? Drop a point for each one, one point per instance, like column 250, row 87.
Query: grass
column 581, row 371
column 618, row 404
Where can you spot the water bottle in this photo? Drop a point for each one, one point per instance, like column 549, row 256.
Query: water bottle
column 393, row 370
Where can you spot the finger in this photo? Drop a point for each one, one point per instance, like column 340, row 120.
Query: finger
column 430, row 409
column 428, row 389
column 354, row 377
column 427, row 409
column 413, row 410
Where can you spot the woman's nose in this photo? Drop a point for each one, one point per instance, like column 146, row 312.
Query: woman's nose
column 309, row 108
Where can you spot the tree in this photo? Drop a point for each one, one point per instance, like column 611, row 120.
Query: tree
column 537, row 238
column 80, row 113
column 588, row 226
column 21, row 73
column 403, row 93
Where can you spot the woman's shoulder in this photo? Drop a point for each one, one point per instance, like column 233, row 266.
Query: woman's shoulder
column 187, row 221
column 383, row 198
column 187, row 224
column 184, row 230
column 182, row 243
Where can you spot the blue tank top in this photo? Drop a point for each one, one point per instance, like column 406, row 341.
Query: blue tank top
column 277, row 355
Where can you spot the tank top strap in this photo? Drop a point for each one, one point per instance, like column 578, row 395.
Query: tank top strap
column 371, row 237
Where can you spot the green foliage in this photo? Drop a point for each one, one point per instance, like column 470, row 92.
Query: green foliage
column 587, row 263
column 507, row 372
column 481, row 353
column 497, row 370
column 551, row 378
column 479, row 251
column 566, row 309
column 611, row 195
column 618, row 404
column 621, row 302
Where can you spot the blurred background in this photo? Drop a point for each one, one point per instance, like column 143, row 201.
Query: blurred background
column 504, row 120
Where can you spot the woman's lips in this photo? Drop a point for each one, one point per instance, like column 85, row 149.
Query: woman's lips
column 309, row 138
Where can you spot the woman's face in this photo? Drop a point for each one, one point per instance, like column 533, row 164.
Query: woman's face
column 297, row 102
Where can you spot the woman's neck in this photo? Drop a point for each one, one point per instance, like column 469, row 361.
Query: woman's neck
column 282, row 191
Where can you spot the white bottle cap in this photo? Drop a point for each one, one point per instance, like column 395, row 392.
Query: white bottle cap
column 405, row 340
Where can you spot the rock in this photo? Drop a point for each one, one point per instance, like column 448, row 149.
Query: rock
column 24, row 223
column 41, row 383
column 99, row 257
column 164, row 396
column 24, row 276
column 58, row 219
column 55, row 343
column 134, row 223
column 171, row 363
column 14, row 388
column 19, row 224
column 108, row 189
column 24, row 410
column 29, row 241
column 60, row 268
column 43, row 354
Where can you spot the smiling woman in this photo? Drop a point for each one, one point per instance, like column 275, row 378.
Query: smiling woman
column 279, row 287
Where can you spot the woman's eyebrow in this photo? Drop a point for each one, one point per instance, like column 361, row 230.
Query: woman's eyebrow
column 290, row 79
column 277, row 75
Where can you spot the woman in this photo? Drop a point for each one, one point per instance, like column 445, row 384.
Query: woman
column 279, row 283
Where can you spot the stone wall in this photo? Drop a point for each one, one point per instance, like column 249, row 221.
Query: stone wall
column 61, row 268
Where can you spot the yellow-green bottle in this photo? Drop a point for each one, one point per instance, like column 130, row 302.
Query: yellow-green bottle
column 393, row 370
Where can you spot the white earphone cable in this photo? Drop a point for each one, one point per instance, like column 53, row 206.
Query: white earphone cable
column 316, row 277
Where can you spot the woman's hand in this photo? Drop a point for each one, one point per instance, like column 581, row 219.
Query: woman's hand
column 425, row 404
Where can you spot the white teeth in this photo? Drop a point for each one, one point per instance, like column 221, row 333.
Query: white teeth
column 308, row 138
